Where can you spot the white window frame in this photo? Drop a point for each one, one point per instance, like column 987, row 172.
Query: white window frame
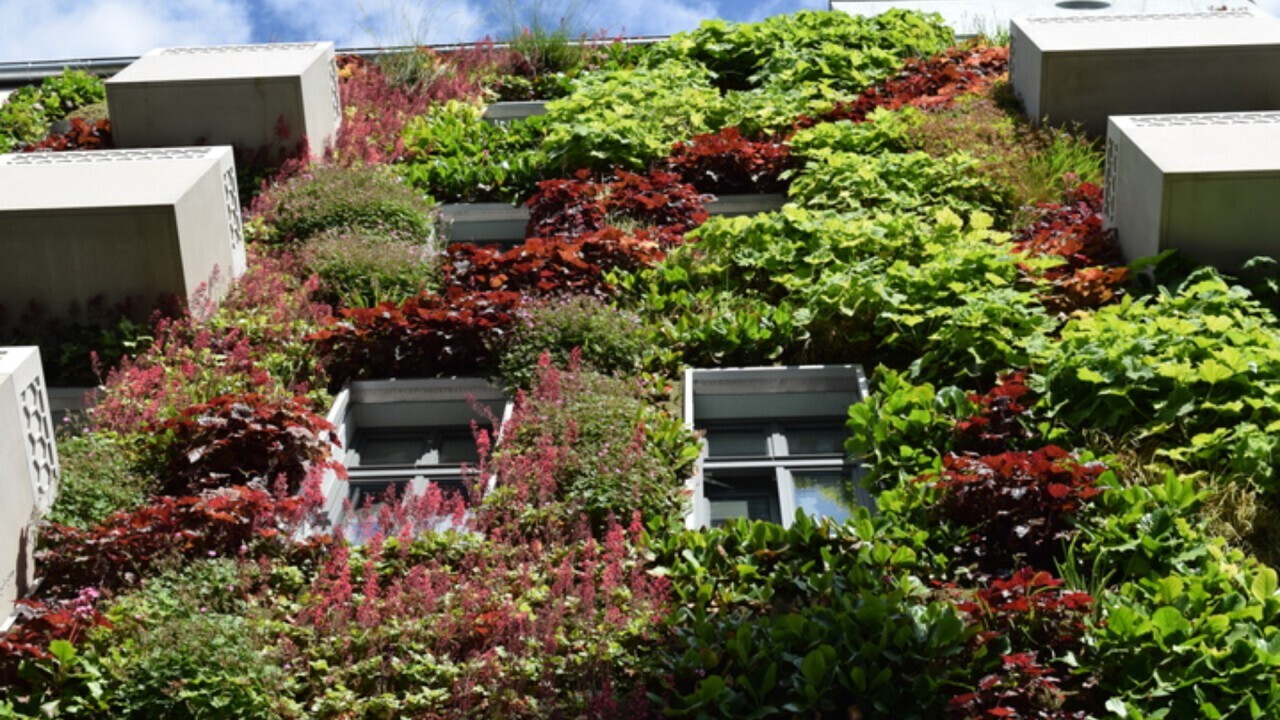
column 769, row 397
column 402, row 404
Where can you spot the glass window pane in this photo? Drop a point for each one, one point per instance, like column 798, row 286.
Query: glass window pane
column 825, row 493
column 816, row 439
column 749, row 496
column 398, row 448
column 457, row 447
column 737, row 441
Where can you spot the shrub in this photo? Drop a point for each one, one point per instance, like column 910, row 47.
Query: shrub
column 657, row 201
column 454, row 155
column 1189, row 373
column 28, row 111
column 425, row 336
column 630, row 118
column 329, row 197
column 1017, row 506
column 362, row 268
column 821, row 620
column 195, row 649
column 606, row 339
column 241, row 439
column 728, row 162
column 75, row 347
column 614, row 453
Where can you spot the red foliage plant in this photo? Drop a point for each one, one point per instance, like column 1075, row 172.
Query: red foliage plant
column 376, row 109
column 1003, row 421
column 574, row 207
column 1016, row 505
column 242, row 438
column 1092, row 272
column 926, row 84
column 1035, row 616
column 728, row 162
column 426, row 336
column 552, row 265
column 81, row 136
column 231, row 522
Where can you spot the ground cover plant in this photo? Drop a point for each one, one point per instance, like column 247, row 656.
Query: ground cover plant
column 1055, row 449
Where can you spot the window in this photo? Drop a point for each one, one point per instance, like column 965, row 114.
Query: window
column 399, row 437
column 773, row 443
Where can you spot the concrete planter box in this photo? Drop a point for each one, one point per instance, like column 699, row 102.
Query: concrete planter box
column 731, row 205
column 1082, row 70
column 28, row 468
column 117, row 224
column 228, row 95
column 1205, row 185
column 483, row 223
column 504, row 112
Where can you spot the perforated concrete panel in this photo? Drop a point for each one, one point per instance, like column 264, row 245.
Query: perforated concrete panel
column 1083, row 69
column 111, row 225
column 240, row 95
column 1206, row 185
column 28, row 467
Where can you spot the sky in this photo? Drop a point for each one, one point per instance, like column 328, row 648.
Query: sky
column 75, row 29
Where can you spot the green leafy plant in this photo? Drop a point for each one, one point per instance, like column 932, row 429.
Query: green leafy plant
column 98, row 477
column 26, row 114
column 454, row 155
column 327, row 197
column 606, row 340
column 361, row 268
column 630, row 118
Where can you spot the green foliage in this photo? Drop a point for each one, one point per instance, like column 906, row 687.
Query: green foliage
column 1022, row 164
column 630, row 118
column 816, row 620
column 902, row 429
column 1190, row 373
column 621, row 453
column 360, row 268
column 27, row 112
column 883, row 131
column 326, row 197
column 820, row 285
column 606, row 339
column 809, row 46
column 188, row 645
column 456, row 156
column 910, row 182
column 97, row 478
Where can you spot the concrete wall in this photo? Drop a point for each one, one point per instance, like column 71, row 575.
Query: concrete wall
column 116, row 225
column 237, row 95
column 1082, row 70
column 1205, row 185
column 28, row 467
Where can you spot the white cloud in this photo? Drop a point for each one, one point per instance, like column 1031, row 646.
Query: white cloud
column 372, row 22
column 69, row 29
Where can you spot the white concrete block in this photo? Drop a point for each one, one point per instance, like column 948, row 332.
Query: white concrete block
column 1084, row 69
column 28, row 467
column 991, row 17
column 228, row 95
column 1205, row 185
column 116, row 224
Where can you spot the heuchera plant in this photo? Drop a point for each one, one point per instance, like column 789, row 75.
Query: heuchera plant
column 242, row 438
column 1092, row 273
column 427, row 336
column 553, row 265
column 574, row 207
column 728, row 162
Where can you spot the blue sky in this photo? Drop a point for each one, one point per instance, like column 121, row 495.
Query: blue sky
column 69, row 29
